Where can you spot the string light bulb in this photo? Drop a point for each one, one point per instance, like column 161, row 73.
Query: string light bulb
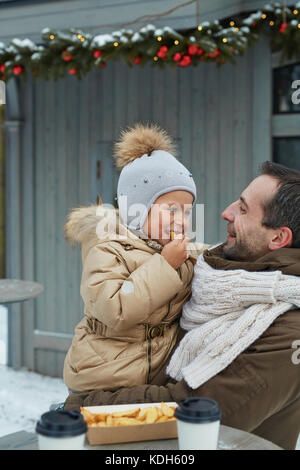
column 295, row 12
column 200, row 28
column 237, row 29
column 52, row 36
column 155, row 58
column 272, row 23
column 232, row 23
column 116, row 44
column 224, row 39
column 159, row 38
column 176, row 42
column 264, row 16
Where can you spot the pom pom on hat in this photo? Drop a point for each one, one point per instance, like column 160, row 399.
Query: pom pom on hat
column 140, row 140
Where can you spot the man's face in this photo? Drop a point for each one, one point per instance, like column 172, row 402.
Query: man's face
column 247, row 238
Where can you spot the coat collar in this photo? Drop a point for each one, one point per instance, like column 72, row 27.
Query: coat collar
column 287, row 260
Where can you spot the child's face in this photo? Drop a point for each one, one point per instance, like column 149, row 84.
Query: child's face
column 170, row 212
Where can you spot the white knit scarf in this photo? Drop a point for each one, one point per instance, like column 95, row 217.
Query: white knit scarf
column 227, row 312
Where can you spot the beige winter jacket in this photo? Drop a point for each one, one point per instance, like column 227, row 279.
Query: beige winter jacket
column 132, row 303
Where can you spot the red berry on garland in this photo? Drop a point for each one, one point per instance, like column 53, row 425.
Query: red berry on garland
column 103, row 65
column 73, row 71
column 162, row 52
column 283, row 27
column 18, row 69
column 66, row 57
column 137, row 60
column 2, row 68
column 185, row 61
column 254, row 23
column 193, row 49
column 164, row 49
column 177, row 57
column 97, row 54
column 214, row 54
column 200, row 51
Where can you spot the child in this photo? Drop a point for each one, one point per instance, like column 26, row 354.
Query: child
column 135, row 278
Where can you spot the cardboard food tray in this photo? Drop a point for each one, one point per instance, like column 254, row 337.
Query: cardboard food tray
column 132, row 433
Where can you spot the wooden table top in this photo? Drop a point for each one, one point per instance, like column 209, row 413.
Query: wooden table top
column 16, row 290
column 229, row 439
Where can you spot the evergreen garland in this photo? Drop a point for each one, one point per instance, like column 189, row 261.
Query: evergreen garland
column 76, row 53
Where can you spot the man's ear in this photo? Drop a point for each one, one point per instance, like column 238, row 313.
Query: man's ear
column 282, row 238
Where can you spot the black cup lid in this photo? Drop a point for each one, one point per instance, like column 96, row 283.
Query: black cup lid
column 198, row 410
column 61, row 423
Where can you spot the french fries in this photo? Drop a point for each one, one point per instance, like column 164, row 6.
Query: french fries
column 126, row 414
column 135, row 416
column 167, row 410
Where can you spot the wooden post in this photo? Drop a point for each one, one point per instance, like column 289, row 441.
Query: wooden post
column 13, row 124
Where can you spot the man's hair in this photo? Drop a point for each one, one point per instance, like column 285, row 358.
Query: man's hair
column 283, row 210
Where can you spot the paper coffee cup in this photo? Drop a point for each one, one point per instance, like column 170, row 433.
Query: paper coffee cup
column 198, row 423
column 61, row 430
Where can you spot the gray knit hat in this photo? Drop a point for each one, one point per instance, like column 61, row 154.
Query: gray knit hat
column 148, row 170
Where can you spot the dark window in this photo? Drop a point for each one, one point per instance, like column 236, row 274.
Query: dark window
column 286, row 151
column 283, row 92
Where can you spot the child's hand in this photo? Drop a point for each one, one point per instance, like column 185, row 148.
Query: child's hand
column 175, row 252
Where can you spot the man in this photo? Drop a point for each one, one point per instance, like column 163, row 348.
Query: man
column 259, row 391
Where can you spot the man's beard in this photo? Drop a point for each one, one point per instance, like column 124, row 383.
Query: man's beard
column 242, row 251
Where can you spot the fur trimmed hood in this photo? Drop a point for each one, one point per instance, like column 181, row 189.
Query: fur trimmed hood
column 96, row 224
column 87, row 222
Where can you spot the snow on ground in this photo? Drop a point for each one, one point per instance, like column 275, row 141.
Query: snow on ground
column 25, row 396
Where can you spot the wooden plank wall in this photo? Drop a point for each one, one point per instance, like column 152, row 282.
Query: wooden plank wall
column 208, row 110
column 2, row 194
